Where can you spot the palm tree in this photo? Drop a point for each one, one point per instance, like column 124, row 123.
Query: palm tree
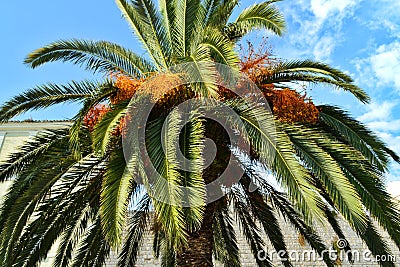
column 75, row 185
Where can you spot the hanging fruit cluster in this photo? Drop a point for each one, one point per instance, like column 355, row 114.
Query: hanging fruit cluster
column 255, row 62
column 94, row 115
column 287, row 105
column 127, row 87
column 291, row 107
column 162, row 87
column 166, row 91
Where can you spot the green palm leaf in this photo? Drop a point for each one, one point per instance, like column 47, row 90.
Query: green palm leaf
column 370, row 187
column 117, row 187
column 221, row 48
column 377, row 244
column 96, row 56
column 289, row 212
column 315, row 72
column 45, row 96
column 136, row 14
column 76, row 128
column 219, row 16
column 103, row 131
column 168, row 12
column 19, row 161
column 70, row 238
column 226, row 248
column 329, row 173
column 276, row 151
column 265, row 215
column 258, row 16
column 167, row 188
column 155, row 28
column 25, row 204
column 249, row 228
column 94, row 249
column 137, row 224
column 339, row 123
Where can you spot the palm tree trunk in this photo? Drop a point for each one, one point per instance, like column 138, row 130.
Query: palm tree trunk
column 200, row 244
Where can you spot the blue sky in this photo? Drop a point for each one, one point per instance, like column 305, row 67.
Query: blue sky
column 361, row 37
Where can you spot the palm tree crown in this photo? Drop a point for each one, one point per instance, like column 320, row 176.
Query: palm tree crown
column 76, row 185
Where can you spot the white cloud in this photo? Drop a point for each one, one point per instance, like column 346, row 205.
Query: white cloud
column 324, row 48
column 392, row 141
column 390, row 126
column 379, row 118
column 378, row 111
column 394, row 188
column 393, row 177
column 386, row 64
column 324, row 8
column 383, row 15
column 316, row 26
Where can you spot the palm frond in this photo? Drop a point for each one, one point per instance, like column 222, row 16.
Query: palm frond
column 94, row 248
column 202, row 72
column 168, row 12
column 70, row 238
column 311, row 236
column 167, row 179
column 178, row 28
column 282, row 79
column 210, row 6
column 191, row 143
column 51, row 213
column 259, row 16
column 117, row 186
column 328, row 172
column 265, row 215
column 219, row 16
column 42, row 233
column 103, row 131
column 315, row 72
column 24, row 206
column 282, row 204
column 276, row 151
column 137, row 15
column 370, row 187
column 96, row 56
column 226, row 248
column 76, row 129
column 18, row 161
column 249, row 228
column 339, row 123
column 45, row 96
column 168, row 258
column 155, row 26
column 195, row 15
column 137, row 224
column 332, row 218
column 377, row 244
column 309, row 66
column 221, row 48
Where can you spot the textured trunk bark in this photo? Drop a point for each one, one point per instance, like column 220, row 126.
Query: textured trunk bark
column 198, row 253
